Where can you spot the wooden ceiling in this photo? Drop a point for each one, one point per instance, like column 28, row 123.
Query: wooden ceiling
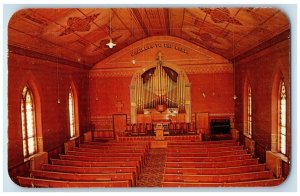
column 79, row 36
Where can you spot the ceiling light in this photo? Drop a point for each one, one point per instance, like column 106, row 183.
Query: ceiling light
column 132, row 31
column 133, row 60
column 110, row 44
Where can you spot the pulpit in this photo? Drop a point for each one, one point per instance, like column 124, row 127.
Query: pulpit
column 159, row 132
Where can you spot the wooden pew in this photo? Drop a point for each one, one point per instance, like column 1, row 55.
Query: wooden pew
column 205, row 154
column 110, row 150
column 215, row 171
column 97, row 164
column 209, row 159
column 199, row 144
column 112, row 147
column 90, row 170
column 138, row 156
column 83, row 177
column 100, row 159
column 218, row 142
column 119, row 144
column 202, row 149
column 35, row 182
column 258, row 183
column 235, row 163
column 218, row 178
column 222, row 142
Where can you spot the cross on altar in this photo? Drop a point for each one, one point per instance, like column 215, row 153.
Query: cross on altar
column 119, row 105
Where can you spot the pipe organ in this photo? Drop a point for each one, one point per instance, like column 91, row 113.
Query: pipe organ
column 160, row 88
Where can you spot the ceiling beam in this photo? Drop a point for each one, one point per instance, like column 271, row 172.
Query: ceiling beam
column 167, row 19
column 285, row 35
column 38, row 55
column 138, row 17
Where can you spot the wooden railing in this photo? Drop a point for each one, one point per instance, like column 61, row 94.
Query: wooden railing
column 19, row 169
column 260, row 152
column 102, row 127
column 285, row 169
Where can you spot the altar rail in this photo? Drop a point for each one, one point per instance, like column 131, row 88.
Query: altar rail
column 166, row 138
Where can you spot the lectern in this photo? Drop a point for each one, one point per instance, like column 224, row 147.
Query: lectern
column 159, row 132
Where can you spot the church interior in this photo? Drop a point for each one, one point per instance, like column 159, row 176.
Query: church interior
column 149, row 97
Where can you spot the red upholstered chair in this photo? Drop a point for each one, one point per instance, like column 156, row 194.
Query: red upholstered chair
column 172, row 128
column 184, row 128
column 135, row 130
column 192, row 128
column 142, row 129
column 177, row 128
column 149, row 128
column 128, row 129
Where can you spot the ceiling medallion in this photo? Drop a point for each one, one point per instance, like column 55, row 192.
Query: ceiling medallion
column 221, row 15
column 206, row 37
column 79, row 24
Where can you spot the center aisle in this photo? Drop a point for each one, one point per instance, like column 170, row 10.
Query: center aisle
column 152, row 172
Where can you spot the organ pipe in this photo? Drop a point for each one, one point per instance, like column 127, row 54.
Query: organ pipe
column 160, row 89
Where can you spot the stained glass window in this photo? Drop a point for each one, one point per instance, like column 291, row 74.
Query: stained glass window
column 71, row 113
column 282, row 118
column 249, row 111
column 28, row 123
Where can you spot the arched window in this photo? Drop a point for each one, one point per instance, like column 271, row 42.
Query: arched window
column 28, row 123
column 249, row 113
column 282, row 118
column 71, row 112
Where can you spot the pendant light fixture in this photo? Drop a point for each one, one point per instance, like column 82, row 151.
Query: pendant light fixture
column 132, row 30
column 110, row 44
column 57, row 80
column 233, row 65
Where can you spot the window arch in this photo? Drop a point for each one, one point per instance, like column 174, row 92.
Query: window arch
column 282, row 118
column 28, row 123
column 72, row 113
column 249, row 112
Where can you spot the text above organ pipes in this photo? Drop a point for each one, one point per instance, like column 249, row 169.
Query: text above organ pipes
column 160, row 88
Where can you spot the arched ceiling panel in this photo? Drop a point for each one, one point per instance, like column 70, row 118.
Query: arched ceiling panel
column 80, row 35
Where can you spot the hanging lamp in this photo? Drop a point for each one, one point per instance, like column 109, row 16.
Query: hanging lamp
column 233, row 65
column 110, row 44
column 57, row 80
column 132, row 30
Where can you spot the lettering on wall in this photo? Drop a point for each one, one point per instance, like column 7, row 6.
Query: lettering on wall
column 169, row 45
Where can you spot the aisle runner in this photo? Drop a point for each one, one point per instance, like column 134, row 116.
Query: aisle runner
column 151, row 175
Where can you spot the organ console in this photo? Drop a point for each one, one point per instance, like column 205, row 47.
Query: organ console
column 220, row 126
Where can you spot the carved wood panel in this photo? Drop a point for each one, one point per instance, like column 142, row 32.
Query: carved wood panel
column 119, row 123
column 202, row 121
